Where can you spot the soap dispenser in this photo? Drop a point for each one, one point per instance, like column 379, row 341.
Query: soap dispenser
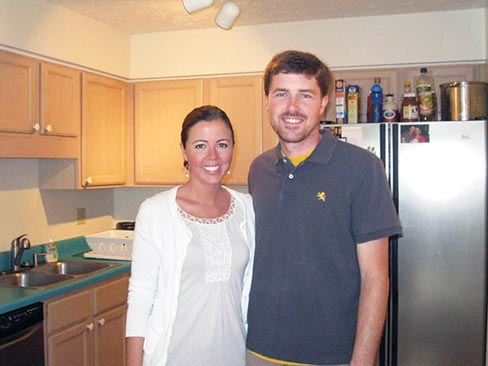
column 51, row 251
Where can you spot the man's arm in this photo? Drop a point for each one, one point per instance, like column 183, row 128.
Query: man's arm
column 373, row 299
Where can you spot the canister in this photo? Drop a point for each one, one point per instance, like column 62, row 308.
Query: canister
column 464, row 100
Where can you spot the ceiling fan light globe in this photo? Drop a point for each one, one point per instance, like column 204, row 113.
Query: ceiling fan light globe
column 227, row 15
column 192, row 6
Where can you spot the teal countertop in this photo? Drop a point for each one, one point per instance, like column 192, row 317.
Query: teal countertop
column 71, row 249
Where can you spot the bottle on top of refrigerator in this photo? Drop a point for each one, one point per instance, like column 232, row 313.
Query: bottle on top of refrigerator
column 426, row 95
column 409, row 111
column 376, row 103
column 390, row 109
column 377, row 80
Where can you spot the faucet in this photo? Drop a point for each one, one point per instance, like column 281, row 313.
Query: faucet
column 17, row 248
column 36, row 258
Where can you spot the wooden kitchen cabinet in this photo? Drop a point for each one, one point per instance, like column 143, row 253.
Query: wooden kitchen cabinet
column 87, row 328
column 241, row 98
column 39, row 113
column 19, row 93
column 160, row 107
column 69, row 337
column 270, row 138
column 104, row 147
column 110, row 325
column 105, row 103
column 60, row 100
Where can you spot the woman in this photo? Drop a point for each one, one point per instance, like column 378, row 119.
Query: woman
column 192, row 259
column 417, row 136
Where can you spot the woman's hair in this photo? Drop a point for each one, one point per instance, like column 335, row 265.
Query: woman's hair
column 296, row 62
column 205, row 113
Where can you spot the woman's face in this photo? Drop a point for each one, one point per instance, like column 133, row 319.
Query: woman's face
column 209, row 151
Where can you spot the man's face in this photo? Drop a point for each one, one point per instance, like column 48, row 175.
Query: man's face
column 295, row 105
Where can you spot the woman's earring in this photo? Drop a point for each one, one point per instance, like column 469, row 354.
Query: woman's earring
column 228, row 171
column 187, row 168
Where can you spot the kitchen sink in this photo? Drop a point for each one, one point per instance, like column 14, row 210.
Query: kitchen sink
column 70, row 268
column 30, row 279
column 52, row 274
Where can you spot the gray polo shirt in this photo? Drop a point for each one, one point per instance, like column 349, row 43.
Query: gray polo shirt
column 309, row 219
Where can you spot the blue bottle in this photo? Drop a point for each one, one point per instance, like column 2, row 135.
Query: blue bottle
column 376, row 103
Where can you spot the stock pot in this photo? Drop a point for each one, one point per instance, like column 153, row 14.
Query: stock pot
column 464, row 100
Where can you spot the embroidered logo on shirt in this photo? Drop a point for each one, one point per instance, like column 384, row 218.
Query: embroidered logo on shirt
column 321, row 196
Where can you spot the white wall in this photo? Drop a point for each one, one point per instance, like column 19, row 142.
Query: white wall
column 439, row 37
column 45, row 29
column 128, row 200
column 24, row 208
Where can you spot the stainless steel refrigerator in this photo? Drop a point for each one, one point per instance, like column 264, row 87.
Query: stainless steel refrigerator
column 438, row 272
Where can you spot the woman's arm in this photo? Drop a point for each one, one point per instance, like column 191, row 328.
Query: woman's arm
column 134, row 351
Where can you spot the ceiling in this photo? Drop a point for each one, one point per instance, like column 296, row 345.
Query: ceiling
column 147, row 16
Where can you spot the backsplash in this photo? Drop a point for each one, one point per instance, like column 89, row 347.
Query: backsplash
column 42, row 214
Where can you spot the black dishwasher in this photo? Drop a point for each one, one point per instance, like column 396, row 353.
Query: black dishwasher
column 21, row 337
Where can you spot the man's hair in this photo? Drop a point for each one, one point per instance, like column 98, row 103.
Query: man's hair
column 296, row 62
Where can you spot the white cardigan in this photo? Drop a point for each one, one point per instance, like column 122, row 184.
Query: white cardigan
column 160, row 245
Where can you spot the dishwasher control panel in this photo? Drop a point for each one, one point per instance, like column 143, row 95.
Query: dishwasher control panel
column 22, row 318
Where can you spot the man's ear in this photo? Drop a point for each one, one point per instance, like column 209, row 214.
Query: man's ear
column 323, row 104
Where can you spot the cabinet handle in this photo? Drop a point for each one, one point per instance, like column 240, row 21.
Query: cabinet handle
column 47, row 129
column 101, row 322
column 88, row 181
column 90, row 327
column 36, row 127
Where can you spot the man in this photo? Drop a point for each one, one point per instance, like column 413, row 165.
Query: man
column 407, row 133
column 323, row 216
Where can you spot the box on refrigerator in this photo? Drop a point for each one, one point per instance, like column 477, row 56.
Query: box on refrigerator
column 341, row 101
column 353, row 104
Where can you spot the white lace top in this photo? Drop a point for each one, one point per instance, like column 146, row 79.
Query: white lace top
column 208, row 329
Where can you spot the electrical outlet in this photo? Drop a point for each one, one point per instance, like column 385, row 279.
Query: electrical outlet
column 80, row 216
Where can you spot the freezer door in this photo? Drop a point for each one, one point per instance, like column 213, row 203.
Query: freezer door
column 442, row 252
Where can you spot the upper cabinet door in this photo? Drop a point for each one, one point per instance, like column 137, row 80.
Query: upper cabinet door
column 21, row 133
column 19, row 93
column 160, row 108
column 241, row 99
column 104, row 123
column 60, row 100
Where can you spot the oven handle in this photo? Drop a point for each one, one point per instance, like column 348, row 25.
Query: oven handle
column 19, row 336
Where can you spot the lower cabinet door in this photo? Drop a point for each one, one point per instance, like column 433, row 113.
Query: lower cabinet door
column 110, row 337
column 72, row 347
